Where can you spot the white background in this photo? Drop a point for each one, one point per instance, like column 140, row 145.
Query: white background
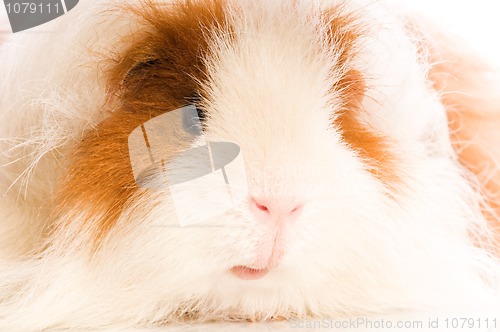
column 478, row 21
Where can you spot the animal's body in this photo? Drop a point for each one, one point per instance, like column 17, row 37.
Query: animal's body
column 368, row 169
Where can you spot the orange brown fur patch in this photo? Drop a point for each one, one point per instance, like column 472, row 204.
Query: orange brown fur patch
column 474, row 119
column 373, row 148
column 153, row 76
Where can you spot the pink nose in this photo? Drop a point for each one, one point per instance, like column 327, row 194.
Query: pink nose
column 275, row 211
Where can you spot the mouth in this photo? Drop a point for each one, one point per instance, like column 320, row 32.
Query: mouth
column 247, row 273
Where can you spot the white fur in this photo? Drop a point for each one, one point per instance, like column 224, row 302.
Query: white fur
column 354, row 250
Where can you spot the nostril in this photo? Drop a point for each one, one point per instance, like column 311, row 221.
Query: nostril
column 261, row 207
column 296, row 209
column 278, row 210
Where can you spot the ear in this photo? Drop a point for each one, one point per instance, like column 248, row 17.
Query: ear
column 470, row 94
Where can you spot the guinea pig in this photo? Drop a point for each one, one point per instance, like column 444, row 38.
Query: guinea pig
column 308, row 159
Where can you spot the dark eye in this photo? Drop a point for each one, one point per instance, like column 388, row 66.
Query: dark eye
column 142, row 68
column 201, row 114
column 147, row 75
column 195, row 100
column 193, row 120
